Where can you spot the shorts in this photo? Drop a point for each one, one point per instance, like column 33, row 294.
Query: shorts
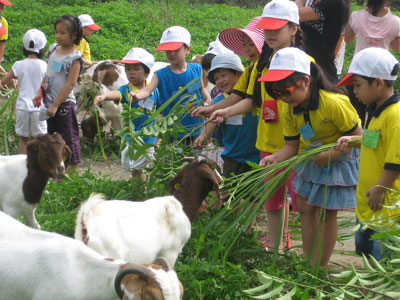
column 140, row 164
column 66, row 124
column 275, row 202
column 28, row 125
column 364, row 244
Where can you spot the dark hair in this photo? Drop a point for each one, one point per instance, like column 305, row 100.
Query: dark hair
column 145, row 68
column 264, row 62
column 74, row 26
column 39, row 55
column 318, row 81
column 375, row 5
column 206, row 61
column 389, row 83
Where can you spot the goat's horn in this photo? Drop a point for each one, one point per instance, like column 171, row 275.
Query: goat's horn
column 161, row 261
column 187, row 158
column 141, row 271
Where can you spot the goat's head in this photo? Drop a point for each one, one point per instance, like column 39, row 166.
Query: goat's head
column 46, row 154
column 109, row 75
column 148, row 282
column 194, row 181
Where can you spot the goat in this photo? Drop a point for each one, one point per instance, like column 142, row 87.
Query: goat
column 24, row 177
column 141, row 231
column 47, row 266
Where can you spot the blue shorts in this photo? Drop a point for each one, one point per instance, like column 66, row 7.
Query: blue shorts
column 366, row 246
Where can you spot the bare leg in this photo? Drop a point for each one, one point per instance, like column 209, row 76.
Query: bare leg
column 274, row 219
column 138, row 174
column 309, row 221
column 22, row 142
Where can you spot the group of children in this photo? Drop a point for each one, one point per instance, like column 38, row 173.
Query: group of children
column 279, row 105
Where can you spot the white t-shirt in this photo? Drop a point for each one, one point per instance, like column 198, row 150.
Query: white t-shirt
column 30, row 73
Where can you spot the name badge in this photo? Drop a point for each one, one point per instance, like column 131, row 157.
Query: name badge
column 234, row 120
column 307, row 132
column 56, row 66
column 370, row 138
column 148, row 103
column 194, row 87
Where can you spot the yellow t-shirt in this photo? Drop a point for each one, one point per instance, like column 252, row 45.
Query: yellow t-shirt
column 269, row 135
column 240, row 87
column 84, row 48
column 4, row 23
column 333, row 118
column 373, row 161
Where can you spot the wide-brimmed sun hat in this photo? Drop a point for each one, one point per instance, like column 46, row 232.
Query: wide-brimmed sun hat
column 232, row 38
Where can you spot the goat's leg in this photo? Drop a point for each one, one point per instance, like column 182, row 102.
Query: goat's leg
column 171, row 255
column 31, row 219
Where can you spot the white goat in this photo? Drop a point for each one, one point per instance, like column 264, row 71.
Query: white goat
column 24, row 177
column 141, row 231
column 39, row 265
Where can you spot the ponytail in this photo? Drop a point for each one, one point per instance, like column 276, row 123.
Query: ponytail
column 375, row 5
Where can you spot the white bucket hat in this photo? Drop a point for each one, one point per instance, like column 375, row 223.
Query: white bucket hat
column 173, row 38
column 371, row 62
column 278, row 13
column 285, row 62
column 34, row 40
column 87, row 21
column 225, row 61
column 138, row 55
column 217, row 48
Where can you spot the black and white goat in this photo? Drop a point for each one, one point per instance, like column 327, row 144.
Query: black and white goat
column 24, row 177
column 41, row 265
column 142, row 231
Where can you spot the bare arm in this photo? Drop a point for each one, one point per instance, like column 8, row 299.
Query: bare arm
column 289, row 150
column 206, row 111
column 395, row 44
column 110, row 96
column 244, row 106
column 146, row 92
column 66, row 90
column 349, row 34
column 9, row 76
column 2, row 48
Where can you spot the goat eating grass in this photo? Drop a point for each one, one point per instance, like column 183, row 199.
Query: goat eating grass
column 142, row 231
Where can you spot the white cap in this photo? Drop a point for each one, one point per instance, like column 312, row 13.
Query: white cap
column 173, row 38
column 138, row 55
column 87, row 21
column 278, row 13
column 371, row 62
column 225, row 61
column 217, row 48
column 34, row 40
column 285, row 62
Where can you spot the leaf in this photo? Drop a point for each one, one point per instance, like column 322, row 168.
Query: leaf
column 289, row 295
column 377, row 264
column 259, row 288
column 271, row 294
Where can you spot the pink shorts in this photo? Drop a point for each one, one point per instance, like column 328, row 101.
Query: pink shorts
column 276, row 201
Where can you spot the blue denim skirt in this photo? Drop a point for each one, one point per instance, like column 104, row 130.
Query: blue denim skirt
column 332, row 187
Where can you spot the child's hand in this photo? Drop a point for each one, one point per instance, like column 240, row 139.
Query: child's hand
column 199, row 142
column 133, row 96
column 36, row 101
column 51, row 111
column 320, row 159
column 376, row 196
column 219, row 115
column 342, row 144
column 202, row 112
column 268, row 160
column 4, row 87
column 98, row 99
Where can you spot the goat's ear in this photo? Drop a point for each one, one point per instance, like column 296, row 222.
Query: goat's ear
column 68, row 154
column 163, row 263
column 32, row 150
column 211, row 174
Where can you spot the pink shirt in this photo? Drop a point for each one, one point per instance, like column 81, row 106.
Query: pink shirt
column 371, row 31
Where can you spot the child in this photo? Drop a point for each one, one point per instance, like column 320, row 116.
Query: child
column 88, row 26
column 30, row 73
column 175, row 41
column 138, row 63
column 280, row 22
column 3, row 30
column 319, row 114
column 373, row 72
column 239, row 132
column 64, row 65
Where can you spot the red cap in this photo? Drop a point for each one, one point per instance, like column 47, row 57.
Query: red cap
column 172, row 46
column 347, row 80
column 6, row 2
column 128, row 62
column 271, row 23
column 93, row 27
column 276, row 75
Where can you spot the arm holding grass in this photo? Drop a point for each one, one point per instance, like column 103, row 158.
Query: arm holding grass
column 290, row 149
column 376, row 194
column 6, row 79
column 241, row 107
column 146, row 92
column 205, row 134
column 206, row 111
column 110, row 96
